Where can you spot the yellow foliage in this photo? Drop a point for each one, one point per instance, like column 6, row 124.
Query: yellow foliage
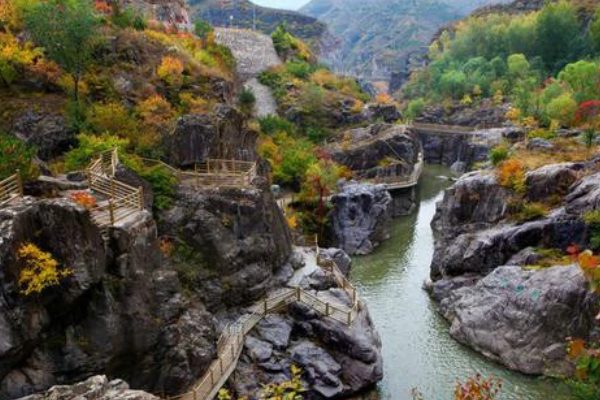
column 112, row 118
column 498, row 98
column 292, row 221
column 157, row 117
column 15, row 57
column 467, row 100
column 40, row 271
column 323, row 78
column 191, row 104
column 66, row 82
column 358, row 106
column 171, row 70
column 514, row 114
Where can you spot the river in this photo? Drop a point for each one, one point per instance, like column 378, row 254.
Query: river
column 418, row 351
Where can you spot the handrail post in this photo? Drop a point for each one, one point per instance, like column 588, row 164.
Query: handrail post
column 20, row 183
column 197, row 176
column 327, row 309
column 349, row 317
column 265, row 305
column 111, row 211
column 112, row 189
column 141, row 198
column 221, row 365
column 353, row 295
column 297, row 293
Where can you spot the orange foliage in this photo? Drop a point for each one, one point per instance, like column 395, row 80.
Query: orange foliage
column 384, row 98
column 477, row 388
column 512, row 175
column 156, row 114
column 84, row 199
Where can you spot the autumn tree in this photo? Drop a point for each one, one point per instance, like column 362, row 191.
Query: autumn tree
column 66, row 29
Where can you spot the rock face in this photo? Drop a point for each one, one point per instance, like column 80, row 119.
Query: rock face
column 97, row 387
column 361, row 217
column 337, row 360
column 468, row 148
column 239, row 237
column 170, row 12
column 48, row 133
column 521, row 318
column 366, row 150
column 473, row 236
column 487, row 115
column 121, row 312
column 221, row 135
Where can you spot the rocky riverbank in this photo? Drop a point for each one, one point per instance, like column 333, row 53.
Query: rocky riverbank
column 486, row 267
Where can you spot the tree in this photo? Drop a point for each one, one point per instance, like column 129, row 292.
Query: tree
column 556, row 29
column 203, row 30
column 15, row 155
column 453, row 83
column 595, row 30
column 584, row 79
column 66, row 29
column 562, row 108
column 518, row 66
column 282, row 41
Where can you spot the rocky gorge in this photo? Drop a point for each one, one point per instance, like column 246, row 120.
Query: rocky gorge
column 484, row 267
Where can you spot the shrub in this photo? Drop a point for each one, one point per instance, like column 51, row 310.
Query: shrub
column 512, row 175
column 15, row 155
column 170, row 71
column 84, row 199
column 499, row 154
column 414, row 108
column 324, row 78
column 157, row 117
column 163, row 185
column 530, row 211
column 40, row 270
column 15, row 58
column 272, row 124
column 589, row 136
column 246, row 100
column 90, row 146
column 128, row 18
column 112, row 118
column 562, row 108
column 298, row 69
column 592, row 218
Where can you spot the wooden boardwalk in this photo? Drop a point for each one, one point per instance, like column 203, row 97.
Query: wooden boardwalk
column 11, row 189
column 231, row 342
column 123, row 202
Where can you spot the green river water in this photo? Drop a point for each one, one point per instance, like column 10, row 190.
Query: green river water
column 418, row 351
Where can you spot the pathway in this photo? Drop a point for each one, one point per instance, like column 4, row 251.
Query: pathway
column 254, row 53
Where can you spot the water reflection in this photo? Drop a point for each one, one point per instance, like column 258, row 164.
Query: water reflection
column 417, row 349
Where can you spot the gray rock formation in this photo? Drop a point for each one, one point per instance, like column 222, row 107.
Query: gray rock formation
column 522, row 318
column 336, row 360
column 361, row 217
column 486, row 115
column 121, row 312
column 369, row 151
column 48, row 133
column 552, row 180
column 239, row 240
column 222, row 134
column 97, row 387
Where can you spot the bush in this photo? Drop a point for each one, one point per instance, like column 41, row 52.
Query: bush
column 170, row 71
column 163, row 185
column 273, row 124
column 40, row 270
column 90, row 146
column 246, row 100
column 128, row 18
column 562, row 109
column 112, row 118
column 298, row 69
column 414, row 108
column 512, row 175
column 499, row 154
column 527, row 211
column 592, row 218
column 84, row 199
column 15, row 155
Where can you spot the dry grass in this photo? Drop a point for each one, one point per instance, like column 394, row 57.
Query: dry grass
column 566, row 150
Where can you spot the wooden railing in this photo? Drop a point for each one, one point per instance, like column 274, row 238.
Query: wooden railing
column 214, row 172
column 231, row 341
column 123, row 201
column 11, row 188
column 395, row 182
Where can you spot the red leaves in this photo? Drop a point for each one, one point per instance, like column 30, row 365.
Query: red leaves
column 587, row 112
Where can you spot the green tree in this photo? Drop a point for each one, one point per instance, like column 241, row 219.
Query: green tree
column 556, row 29
column 518, row 66
column 584, row 79
column 203, row 30
column 15, row 155
column 66, row 29
column 454, row 84
column 595, row 31
column 562, row 108
column 282, row 41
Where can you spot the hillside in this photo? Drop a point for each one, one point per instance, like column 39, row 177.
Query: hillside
column 377, row 36
column 247, row 15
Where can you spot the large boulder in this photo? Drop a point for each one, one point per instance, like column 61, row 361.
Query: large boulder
column 97, row 387
column 584, row 196
column 361, row 217
column 222, row 134
column 552, row 180
column 50, row 134
column 522, row 319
